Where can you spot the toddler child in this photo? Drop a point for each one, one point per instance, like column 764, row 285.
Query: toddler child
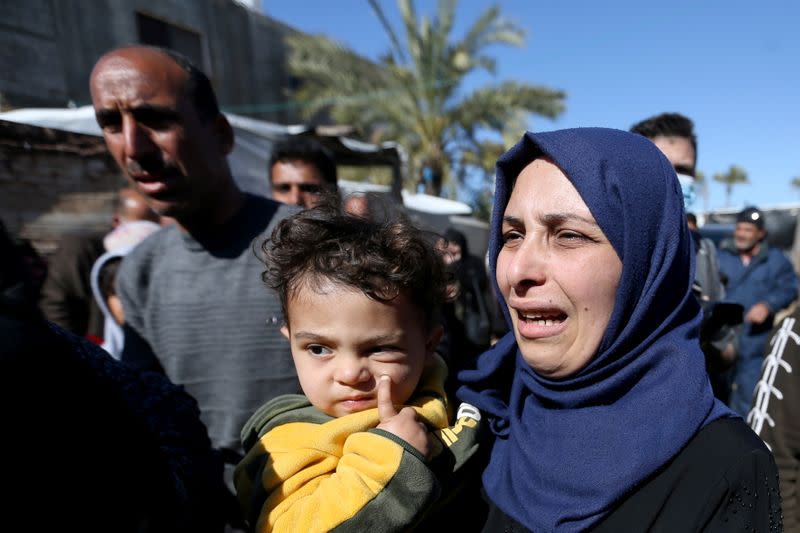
column 370, row 446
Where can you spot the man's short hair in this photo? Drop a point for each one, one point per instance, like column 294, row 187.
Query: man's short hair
column 667, row 125
column 307, row 150
column 198, row 86
column 381, row 259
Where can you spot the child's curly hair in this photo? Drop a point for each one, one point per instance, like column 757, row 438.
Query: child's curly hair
column 382, row 259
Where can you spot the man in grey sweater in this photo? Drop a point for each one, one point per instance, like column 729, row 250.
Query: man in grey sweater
column 192, row 295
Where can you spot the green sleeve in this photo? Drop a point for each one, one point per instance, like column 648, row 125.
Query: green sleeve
column 378, row 485
column 403, row 501
column 426, row 494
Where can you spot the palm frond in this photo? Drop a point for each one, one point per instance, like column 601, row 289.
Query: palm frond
column 396, row 51
column 492, row 106
column 413, row 94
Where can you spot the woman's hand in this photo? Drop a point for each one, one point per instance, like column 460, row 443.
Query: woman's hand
column 404, row 423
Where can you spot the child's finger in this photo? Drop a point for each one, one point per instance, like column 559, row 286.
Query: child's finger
column 386, row 409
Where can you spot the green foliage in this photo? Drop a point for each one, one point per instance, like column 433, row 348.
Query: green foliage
column 378, row 175
column 734, row 176
column 415, row 96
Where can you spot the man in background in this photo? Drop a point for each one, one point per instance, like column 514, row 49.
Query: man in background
column 301, row 170
column 762, row 280
column 674, row 135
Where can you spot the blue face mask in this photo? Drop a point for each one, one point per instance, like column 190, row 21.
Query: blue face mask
column 688, row 189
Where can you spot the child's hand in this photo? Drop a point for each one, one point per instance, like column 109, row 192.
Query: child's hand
column 404, row 424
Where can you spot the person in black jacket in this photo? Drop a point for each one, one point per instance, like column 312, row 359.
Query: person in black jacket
column 16, row 282
column 89, row 444
column 471, row 304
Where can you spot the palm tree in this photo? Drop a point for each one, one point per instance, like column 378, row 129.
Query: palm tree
column 796, row 182
column 415, row 95
column 702, row 187
column 734, row 176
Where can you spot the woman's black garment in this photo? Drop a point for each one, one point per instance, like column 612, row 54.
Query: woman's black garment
column 723, row 480
column 91, row 445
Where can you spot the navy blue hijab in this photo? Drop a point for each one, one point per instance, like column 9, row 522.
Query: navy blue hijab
column 568, row 450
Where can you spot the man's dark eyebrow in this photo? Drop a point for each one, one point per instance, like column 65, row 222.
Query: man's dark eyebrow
column 144, row 111
column 106, row 116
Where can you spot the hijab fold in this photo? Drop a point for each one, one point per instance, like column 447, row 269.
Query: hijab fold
column 567, row 451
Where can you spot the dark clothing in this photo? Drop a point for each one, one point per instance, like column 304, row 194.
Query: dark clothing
column 67, row 297
column 471, row 306
column 775, row 416
column 723, row 480
column 472, row 303
column 468, row 318
column 707, row 284
column 90, row 445
column 769, row 278
column 720, row 319
column 15, row 283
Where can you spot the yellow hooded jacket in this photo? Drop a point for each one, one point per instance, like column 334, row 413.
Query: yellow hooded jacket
column 306, row 471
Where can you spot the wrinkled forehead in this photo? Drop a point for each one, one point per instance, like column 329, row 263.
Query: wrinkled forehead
column 137, row 74
column 543, row 188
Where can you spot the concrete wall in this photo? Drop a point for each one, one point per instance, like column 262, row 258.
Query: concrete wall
column 53, row 183
column 48, row 48
column 30, row 59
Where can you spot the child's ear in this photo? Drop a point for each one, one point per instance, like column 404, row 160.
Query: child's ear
column 434, row 337
column 285, row 331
